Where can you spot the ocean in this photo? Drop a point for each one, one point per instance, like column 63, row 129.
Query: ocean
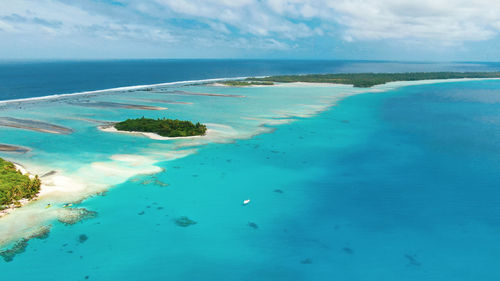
column 26, row 79
column 392, row 183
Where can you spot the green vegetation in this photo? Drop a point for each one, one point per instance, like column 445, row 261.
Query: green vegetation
column 163, row 127
column 365, row 80
column 238, row 83
column 15, row 186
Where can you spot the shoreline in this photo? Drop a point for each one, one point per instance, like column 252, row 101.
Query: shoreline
column 23, row 201
column 375, row 88
column 153, row 136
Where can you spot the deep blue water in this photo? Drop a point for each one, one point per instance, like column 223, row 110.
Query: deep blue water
column 25, row 79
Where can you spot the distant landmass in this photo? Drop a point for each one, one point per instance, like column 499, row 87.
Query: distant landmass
column 366, row 80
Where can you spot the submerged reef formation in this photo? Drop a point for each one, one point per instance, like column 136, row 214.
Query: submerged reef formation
column 14, row 186
column 12, row 148
column 74, row 215
column 366, row 80
column 306, row 261
column 20, row 246
column 34, row 125
column 202, row 94
column 163, row 127
column 253, row 225
column 412, row 260
column 347, row 250
column 153, row 180
column 168, row 101
column 184, row 221
column 82, row 238
column 105, row 104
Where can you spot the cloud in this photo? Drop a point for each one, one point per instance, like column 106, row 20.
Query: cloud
column 58, row 19
column 261, row 24
column 448, row 21
column 445, row 21
column 250, row 17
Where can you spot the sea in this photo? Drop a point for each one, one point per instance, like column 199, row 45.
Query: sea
column 396, row 182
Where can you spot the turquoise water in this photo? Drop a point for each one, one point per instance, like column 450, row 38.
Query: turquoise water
column 396, row 185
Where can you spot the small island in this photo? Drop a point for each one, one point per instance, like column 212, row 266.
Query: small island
column 163, row 127
column 238, row 83
column 14, row 186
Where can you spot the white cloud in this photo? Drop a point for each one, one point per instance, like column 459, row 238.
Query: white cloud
column 53, row 18
column 449, row 21
column 274, row 24
column 248, row 16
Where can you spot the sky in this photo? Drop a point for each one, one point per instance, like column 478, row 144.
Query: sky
column 424, row 30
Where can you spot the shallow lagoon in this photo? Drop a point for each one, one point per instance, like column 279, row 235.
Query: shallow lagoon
column 80, row 160
column 391, row 186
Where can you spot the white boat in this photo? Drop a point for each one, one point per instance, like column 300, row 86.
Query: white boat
column 246, row 201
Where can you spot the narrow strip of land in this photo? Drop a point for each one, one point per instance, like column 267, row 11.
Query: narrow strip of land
column 365, row 80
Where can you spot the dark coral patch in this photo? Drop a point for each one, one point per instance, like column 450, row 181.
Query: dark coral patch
column 412, row 260
column 253, row 225
column 21, row 245
column 347, row 250
column 306, row 261
column 82, row 238
column 184, row 221
column 18, row 248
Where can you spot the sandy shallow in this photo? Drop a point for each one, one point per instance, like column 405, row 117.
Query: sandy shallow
column 34, row 125
column 153, row 136
column 59, row 188
column 13, row 148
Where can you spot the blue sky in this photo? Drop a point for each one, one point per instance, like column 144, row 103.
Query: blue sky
column 438, row 30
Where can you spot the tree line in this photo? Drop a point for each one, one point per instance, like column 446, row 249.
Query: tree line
column 15, row 186
column 365, row 80
column 163, row 127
